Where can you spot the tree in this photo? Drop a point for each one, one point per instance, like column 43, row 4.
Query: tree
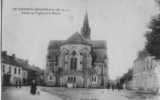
column 126, row 77
column 153, row 38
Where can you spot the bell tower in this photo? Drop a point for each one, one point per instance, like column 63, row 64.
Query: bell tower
column 85, row 30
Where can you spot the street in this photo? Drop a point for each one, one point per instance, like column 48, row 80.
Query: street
column 52, row 93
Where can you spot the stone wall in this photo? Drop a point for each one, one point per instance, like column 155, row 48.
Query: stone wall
column 146, row 74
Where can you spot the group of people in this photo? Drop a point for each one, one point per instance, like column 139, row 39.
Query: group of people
column 18, row 84
column 115, row 86
column 33, row 87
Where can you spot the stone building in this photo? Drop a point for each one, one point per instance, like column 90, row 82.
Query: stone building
column 18, row 71
column 77, row 61
column 146, row 74
column 12, row 72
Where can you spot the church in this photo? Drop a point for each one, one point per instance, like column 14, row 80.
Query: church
column 77, row 62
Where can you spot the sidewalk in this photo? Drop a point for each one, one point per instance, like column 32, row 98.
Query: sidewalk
column 23, row 93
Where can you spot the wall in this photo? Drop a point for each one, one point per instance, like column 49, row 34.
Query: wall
column 10, row 69
column 146, row 74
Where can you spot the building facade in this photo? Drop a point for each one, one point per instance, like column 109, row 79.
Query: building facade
column 12, row 72
column 146, row 74
column 18, row 71
column 77, row 61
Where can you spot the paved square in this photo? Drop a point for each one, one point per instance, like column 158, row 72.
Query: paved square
column 48, row 93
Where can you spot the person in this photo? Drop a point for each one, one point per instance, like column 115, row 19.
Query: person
column 33, row 87
column 16, row 84
column 20, row 84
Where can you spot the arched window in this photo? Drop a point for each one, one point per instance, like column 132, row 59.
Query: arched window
column 94, row 78
column 50, row 77
column 71, row 79
column 3, row 67
column 15, row 70
column 73, row 63
column 9, row 69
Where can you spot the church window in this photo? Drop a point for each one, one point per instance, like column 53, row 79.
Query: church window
column 69, row 79
column 19, row 71
column 80, row 62
column 50, row 77
column 73, row 63
column 9, row 69
column 74, row 53
column 15, row 70
column 56, row 59
column 3, row 68
column 72, row 79
column 80, row 53
column 94, row 78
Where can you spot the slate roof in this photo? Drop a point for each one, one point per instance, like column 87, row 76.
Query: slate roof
column 76, row 38
column 24, row 64
column 55, row 44
column 101, row 44
column 7, row 59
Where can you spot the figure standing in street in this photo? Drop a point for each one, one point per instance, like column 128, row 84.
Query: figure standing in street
column 33, row 87
column 16, row 84
column 19, row 84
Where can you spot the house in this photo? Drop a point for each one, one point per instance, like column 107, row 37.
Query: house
column 18, row 71
column 12, row 72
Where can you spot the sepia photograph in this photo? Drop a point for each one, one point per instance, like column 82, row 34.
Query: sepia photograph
column 80, row 49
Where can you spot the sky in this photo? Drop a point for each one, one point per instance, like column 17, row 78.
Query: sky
column 122, row 23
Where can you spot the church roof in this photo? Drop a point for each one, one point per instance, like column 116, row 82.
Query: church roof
column 55, row 44
column 101, row 55
column 101, row 44
column 76, row 38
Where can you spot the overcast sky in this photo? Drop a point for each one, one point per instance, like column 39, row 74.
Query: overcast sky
column 122, row 23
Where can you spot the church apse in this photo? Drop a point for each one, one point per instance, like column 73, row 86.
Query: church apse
column 78, row 61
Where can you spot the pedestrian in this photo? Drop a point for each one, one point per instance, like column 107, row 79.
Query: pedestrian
column 33, row 87
column 19, row 84
column 16, row 84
